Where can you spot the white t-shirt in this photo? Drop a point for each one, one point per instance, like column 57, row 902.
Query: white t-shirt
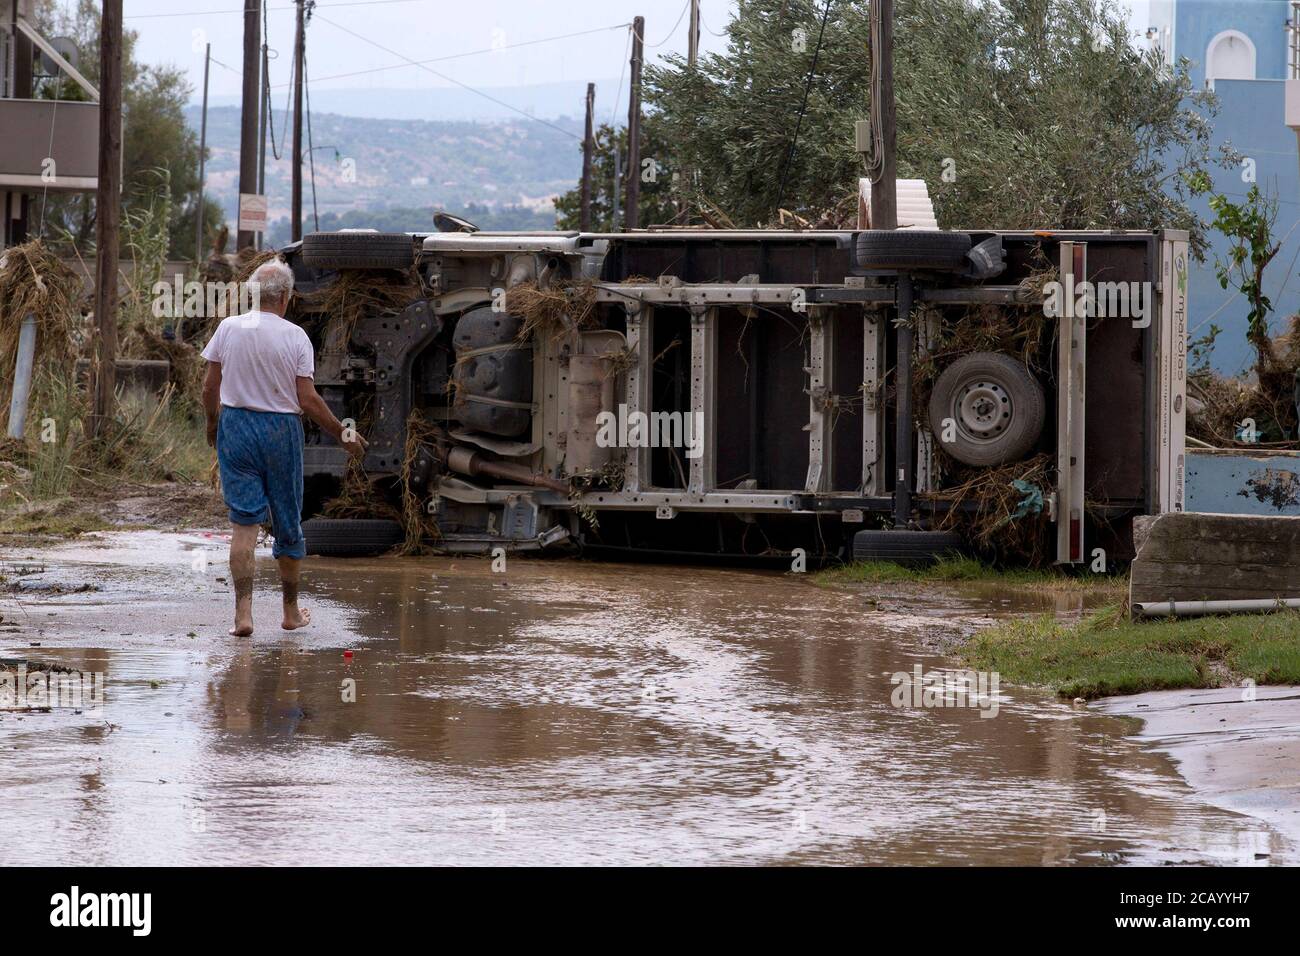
column 261, row 357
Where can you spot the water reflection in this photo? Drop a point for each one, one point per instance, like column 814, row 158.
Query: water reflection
column 574, row 712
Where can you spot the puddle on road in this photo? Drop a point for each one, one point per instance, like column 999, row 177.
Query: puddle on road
column 564, row 712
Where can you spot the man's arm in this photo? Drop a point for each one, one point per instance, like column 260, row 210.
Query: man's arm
column 212, row 400
column 314, row 407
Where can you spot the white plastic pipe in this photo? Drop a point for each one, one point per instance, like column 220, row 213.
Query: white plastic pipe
column 22, row 376
column 1199, row 608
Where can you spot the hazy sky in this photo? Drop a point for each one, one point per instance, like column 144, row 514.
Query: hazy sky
column 174, row 31
column 422, row 30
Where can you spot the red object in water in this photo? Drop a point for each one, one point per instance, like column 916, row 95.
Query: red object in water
column 347, row 655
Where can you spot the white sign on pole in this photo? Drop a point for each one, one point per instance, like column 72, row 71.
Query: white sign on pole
column 252, row 212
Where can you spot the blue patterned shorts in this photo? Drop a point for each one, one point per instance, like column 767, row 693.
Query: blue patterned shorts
column 260, row 457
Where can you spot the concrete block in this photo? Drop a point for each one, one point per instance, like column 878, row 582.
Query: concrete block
column 1191, row 556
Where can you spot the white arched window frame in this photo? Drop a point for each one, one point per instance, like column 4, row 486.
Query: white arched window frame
column 1229, row 56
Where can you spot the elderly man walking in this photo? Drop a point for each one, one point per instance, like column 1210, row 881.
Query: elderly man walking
column 259, row 383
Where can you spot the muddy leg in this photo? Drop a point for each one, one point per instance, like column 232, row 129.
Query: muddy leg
column 242, row 542
column 294, row 616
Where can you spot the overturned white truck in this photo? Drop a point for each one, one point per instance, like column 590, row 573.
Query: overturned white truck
column 703, row 394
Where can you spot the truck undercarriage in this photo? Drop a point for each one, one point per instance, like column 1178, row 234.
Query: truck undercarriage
column 699, row 394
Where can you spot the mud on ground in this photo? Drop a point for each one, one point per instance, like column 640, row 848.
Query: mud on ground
column 161, row 506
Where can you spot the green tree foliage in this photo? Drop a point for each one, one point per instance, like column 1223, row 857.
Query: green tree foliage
column 1248, row 227
column 657, row 205
column 157, row 144
column 1016, row 113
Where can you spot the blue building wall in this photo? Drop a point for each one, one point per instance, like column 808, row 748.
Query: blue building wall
column 1197, row 22
column 1251, row 119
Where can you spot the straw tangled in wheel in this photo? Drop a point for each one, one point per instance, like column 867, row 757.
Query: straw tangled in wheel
column 982, row 502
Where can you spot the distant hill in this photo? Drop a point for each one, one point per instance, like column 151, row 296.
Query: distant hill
column 417, row 220
column 548, row 100
column 373, row 165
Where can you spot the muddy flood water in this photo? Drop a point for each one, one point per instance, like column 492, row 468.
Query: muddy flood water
column 561, row 712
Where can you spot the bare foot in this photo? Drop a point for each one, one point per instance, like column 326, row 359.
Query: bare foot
column 241, row 630
column 296, row 619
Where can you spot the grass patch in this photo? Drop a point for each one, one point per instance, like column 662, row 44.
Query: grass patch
column 61, row 517
column 151, row 438
column 1106, row 654
column 968, row 571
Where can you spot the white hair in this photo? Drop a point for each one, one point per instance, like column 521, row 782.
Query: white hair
column 273, row 280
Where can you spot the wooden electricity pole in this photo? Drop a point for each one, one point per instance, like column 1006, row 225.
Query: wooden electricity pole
column 693, row 37
column 687, row 180
column 588, row 147
column 884, row 198
column 263, row 105
column 203, row 148
column 295, row 215
column 107, row 215
column 248, row 110
column 632, row 216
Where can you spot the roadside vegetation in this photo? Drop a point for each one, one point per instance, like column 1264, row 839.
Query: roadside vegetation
column 970, row 573
column 1108, row 653
column 53, row 478
column 981, row 89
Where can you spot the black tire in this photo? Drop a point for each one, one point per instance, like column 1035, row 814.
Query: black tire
column 908, row 250
column 996, row 406
column 358, row 250
column 351, row 537
column 913, row 549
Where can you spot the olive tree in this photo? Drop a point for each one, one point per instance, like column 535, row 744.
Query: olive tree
column 1016, row 113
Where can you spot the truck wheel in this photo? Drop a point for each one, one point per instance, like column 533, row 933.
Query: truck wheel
column 358, row 250
column 351, row 537
column 913, row 549
column 905, row 250
column 989, row 407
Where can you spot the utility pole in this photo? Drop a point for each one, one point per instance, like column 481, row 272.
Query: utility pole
column 884, row 199
column 18, row 203
column 107, row 214
column 632, row 216
column 248, row 110
column 203, row 147
column 263, row 108
column 693, row 37
column 692, row 56
column 588, row 147
column 613, row 222
column 295, row 214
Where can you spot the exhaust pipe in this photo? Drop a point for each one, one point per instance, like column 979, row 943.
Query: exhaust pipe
column 471, row 463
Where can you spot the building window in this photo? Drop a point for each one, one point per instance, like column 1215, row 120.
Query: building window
column 1230, row 56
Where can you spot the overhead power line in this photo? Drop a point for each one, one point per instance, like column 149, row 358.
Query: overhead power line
column 618, row 90
column 794, row 140
column 687, row 6
column 215, row 13
column 456, row 56
column 445, row 77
